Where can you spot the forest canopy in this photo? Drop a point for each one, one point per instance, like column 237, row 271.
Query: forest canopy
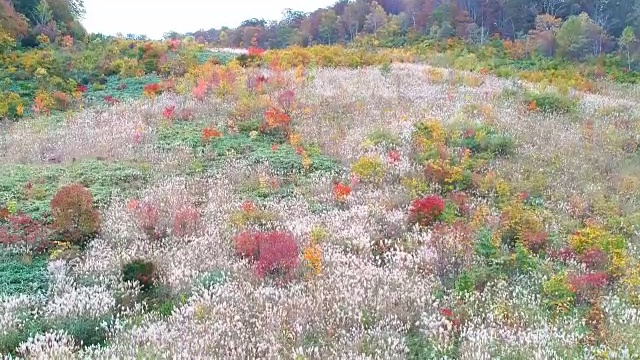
column 26, row 19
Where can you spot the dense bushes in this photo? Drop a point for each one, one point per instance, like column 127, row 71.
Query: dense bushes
column 74, row 216
column 25, row 233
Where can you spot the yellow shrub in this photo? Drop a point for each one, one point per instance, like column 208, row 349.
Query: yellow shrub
column 417, row 187
column 429, row 135
column 369, row 168
column 519, row 219
column 435, row 75
column 597, row 237
column 11, row 105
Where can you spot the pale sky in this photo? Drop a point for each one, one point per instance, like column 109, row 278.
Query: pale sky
column 154, row 18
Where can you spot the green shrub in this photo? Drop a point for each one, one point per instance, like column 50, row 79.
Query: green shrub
column 211, row 279
column 557, row 295
column 383, row 137
column 551, row 102
column 140, row 271
column 85, row 330
column 11, row 339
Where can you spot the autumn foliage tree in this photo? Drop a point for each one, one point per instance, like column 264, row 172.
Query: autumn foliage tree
column 14, row 23
column 74, row 217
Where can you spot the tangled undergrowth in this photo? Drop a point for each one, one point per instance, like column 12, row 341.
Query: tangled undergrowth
column 272, row 213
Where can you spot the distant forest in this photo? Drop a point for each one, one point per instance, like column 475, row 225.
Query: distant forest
column 574, row 27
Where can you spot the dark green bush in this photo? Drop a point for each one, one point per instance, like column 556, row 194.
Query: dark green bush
column 143, row 272
column 551, row 102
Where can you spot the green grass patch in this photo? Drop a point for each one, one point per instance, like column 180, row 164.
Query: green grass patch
column 102, row 179
column 18, row 276
column 120, row 89
column 283, row 159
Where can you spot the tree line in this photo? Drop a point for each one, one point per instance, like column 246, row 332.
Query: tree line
column 571, row 28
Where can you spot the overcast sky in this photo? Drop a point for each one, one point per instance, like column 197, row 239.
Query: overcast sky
column 154, row 18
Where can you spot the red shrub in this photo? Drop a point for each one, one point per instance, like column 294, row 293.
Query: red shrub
column 286, row 99
column 341, row 192
column 169, row 112
column 255, row 51
column 594, row 259
column 21, row 230
column 247, row 245
column 462, row 201
column 61, row 100
column 535, row 241
column 110, row 100
column 278, row 254
column 185, row 221
column 588, row 286
column 148, row 219
column 425, row 211
column 74, row 216
column 152, row 89
column 394, row 156
column 565, row 254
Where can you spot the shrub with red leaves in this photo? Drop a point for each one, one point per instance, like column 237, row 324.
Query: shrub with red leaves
column 247, row 245
column 74, row 216
column 278, row 254
column 535, row 241
column 169, row 112
column 286, row 99
column 588, row 286
column 462, row 202
column 23, row 231
column 152, row 89
column 186, row 221
column 148, row 219
column 424, row 211
column 255, row 51
column 110, row 100
column 594, row 259
column 565, row 254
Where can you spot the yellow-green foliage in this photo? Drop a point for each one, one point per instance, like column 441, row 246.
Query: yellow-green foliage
column 11, row 105
column 369, row 169
column 558, row 296
column 595, row 236
column 416, row 186
column 520, row 219
column 318, row 234
column 468, row 62
column 435, row 75
column 255, row 217
column 429, row 135
column 331, row 56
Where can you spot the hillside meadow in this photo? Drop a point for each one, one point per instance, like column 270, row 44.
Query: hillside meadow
column 322, row 203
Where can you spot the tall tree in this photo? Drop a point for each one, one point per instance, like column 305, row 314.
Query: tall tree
column 376, row 19
column 627, row 43
column 328, row 29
